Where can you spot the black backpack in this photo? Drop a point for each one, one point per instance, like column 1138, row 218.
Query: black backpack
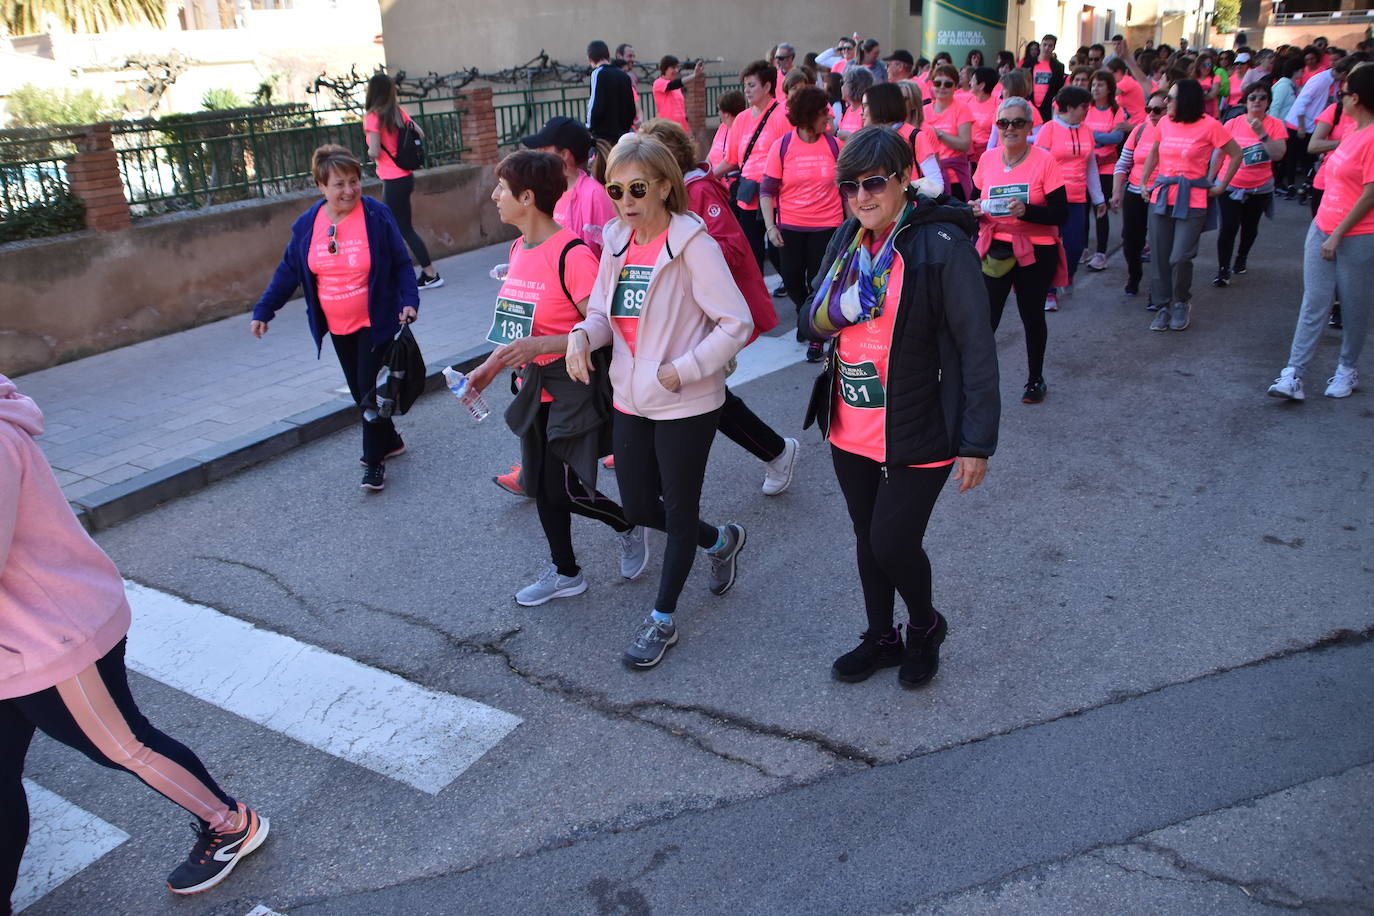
column 400, row 378
column 410, row 149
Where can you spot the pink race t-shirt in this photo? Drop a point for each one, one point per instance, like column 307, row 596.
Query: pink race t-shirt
column 341, row 278
column 1349, row 169
column 853, row 119
column 807, row 197
column 1072, row 148
column 955, row 114
column 858, row 424
column 984, row 113
column 1140, row 142
column 1186, row 150
column 742, row 131
column 1103, row 120
column 1040, row 79
column 1029, row 181
column 627, row 299
column 1131, row 98
column 1257, row 169
column 1336, row 133
column 717, row 154
column 1210, row 105
column 585, row 208
column 386, row 166
column 669, row 103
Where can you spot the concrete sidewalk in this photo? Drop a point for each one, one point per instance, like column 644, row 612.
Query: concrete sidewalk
column 145, row 423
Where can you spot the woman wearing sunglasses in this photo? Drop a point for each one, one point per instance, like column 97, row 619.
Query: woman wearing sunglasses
column 1022, row 206
column 1263, row 140
column 909, row 389
column 950, row 122
column 1109, row 124
column 1183, row 148
column 1130, row 177
column 347, row 254
column 667, row 304
column 1070, row 141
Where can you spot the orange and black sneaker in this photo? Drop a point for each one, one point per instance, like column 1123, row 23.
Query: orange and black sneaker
column 511, row 482
column 215, row 854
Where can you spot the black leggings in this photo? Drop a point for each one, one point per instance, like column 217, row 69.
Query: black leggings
column 1032, row 283
column 1104, row 222
column 660, row 466
column 560, row 496
column 751, row 221
column 1135, row 230
column 802, row 253
column 396, row 196
column 744, row 428
column 890, row 510
column 360, row 361
column 1241, row 216
column 100, row 719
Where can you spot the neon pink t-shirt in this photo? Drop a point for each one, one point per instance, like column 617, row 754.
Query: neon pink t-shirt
column 1257, row 168
column 1103, row 120
column 1131, row 98
column 984, row 113
column 386, row 166
column 627, row 300
column 532, row 302
column 717, row 154
column 742, row 131
column 669, row 103
column 1349, row 168
column 1072, row 147
column 1140, row 142
column 858, row 423
column 1029, row 181
column 1335, row 133
column 807, row 197
column 1186, row 150
column 341, row 278
column 1040, row 79
column 585, row 208
column 853, row 119
column 956, row 113
column 1210, row 105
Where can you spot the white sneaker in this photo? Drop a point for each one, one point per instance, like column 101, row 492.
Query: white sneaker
column 1343, row 382
column 1051, row 301
column 1098, row 262
column 777, row 475
column 1289, row 385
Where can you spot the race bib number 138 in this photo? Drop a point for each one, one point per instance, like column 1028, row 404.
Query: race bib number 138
column 513, row 320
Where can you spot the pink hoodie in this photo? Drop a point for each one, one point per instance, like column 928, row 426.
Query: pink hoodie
column 62, row 603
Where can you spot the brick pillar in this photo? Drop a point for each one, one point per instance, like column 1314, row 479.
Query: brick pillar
column 94, row 178
column 694, row 94
column 477, row 121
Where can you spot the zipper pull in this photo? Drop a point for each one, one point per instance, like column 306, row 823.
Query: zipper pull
column 939, row 375
column 884, row 467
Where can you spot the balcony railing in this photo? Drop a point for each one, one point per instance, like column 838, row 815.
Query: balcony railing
column 1326, row 17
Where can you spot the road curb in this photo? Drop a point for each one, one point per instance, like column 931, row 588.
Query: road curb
column 108, row 506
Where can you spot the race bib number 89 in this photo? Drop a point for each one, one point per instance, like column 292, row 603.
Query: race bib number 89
column 628, row 301
column 513, row 320
column 860, row 386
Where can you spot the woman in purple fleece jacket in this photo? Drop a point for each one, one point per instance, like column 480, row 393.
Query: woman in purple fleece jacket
column 63, row 620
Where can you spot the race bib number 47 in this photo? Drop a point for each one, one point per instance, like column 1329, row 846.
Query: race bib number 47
column 628, row 301
column 513, row 320
column 1255, row 154
column 860, row 386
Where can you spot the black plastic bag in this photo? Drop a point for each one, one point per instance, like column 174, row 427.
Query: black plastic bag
column 401, row 378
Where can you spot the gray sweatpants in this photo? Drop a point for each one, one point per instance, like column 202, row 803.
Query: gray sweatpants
column 1174, row 243
column 1350, row 276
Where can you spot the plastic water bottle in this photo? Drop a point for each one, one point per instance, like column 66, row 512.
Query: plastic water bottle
column 458, row 383
column 499, row 272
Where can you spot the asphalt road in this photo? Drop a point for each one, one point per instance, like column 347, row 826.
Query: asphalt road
column 1154, row 696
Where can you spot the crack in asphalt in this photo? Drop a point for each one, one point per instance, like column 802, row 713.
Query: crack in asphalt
column 1268, row 893
column 305, row 604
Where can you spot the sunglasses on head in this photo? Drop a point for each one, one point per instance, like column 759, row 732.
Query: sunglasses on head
column 333, row 244
column 873, row 184
column 637, row 188
column 1012, row 123
column 942, row 84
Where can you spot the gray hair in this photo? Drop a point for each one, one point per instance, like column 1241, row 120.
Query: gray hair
column 1015, row 101
column 784, row 46
column 857, row 81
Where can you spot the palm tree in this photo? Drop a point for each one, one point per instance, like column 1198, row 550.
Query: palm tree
column 26, row 17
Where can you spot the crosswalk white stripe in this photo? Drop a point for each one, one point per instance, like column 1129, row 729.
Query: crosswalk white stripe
column 63, row 839
column 765, row 355
column 261, row 910
column 369, row 717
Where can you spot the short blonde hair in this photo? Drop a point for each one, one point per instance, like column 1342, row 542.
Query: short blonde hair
column 656, row 159
column 915, row 104
column 671, row 135
column 332, row 158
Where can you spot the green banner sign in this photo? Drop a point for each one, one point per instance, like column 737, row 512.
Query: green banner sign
column 959, row 26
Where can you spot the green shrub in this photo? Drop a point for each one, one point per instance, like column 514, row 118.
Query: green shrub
column 220, row 100
column 32, row 106
column 44, row 218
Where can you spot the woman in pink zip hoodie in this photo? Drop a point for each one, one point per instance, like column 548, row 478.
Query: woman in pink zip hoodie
column 666, row 302
column 63, row 620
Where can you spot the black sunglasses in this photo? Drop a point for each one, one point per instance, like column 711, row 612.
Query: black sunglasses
column 942, row 84
column 785, row 57
column 637, row 188
column 333, row 245
column 1012, row 123
column 1257, row 97
column 873, row 184
column 1156, row 109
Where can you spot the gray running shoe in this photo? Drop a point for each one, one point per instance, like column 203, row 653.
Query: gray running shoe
column 725, row 561
column 1161, row 319
column 650, row 642
column 634, row 552
column 1179, row 319
column 551, row 585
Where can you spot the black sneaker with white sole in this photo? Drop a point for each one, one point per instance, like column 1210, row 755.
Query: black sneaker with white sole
column 374, row 477
column 424, row 281
column 214, row 855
